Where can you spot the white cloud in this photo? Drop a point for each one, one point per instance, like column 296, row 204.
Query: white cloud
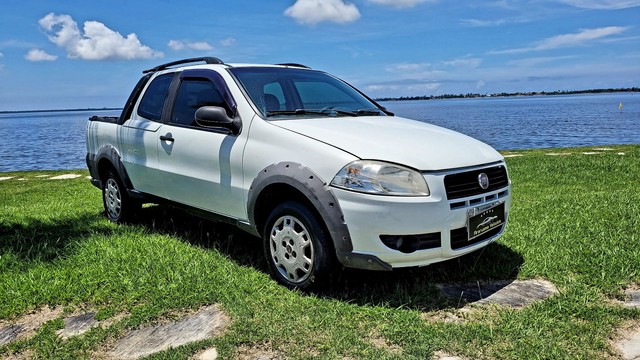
column 463, row 63
column 39, row 55
column 400, row 3
column 483, row 23
column 227, row 42
column 568, row 40
column 1, row 55
column 404, row 87
column 178, row 45
column 579, row 38
column 433, row 70
column 537, row 61
column 200, row 45
column 408, row 67
column 603, row 4
column 316, row 11
column 95, row 41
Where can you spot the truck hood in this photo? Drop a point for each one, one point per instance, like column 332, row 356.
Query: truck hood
column 407, row 142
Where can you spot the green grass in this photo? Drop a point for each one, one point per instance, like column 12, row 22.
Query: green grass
column 574, row 221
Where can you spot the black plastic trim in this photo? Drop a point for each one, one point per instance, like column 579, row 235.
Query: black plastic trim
column 206, row 59
column 133, row 99
column 110, row 154
column 93, row 170
column 313, row 188
column 465, row 184
column 363, row 261
column 411, row 243
column 219, row 81
column 295, row 65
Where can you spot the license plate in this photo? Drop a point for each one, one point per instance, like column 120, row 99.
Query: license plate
column 485, row 221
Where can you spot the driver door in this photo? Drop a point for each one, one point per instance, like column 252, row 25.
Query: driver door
column 201, row 166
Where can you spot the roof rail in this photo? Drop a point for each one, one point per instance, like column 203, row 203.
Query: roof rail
column 295, row 65
column 208, row 60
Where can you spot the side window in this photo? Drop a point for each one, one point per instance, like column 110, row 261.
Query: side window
column 153, row 99
column 193, row 94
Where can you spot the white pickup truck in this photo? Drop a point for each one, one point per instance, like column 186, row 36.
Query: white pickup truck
column 322, row 173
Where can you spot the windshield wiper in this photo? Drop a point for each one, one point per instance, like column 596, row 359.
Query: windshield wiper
column 325, row 112
column 371, row 111
column 296, row 112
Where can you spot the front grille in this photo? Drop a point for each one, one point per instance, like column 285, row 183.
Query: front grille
column 459, row 237
column 465, row 184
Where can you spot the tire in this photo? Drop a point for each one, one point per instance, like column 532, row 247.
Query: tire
column 299, row 252
column 118, row 206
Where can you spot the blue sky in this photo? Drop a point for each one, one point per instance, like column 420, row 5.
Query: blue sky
column 58, row 54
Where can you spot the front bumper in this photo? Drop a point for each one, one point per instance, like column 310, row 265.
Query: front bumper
column 436, row 225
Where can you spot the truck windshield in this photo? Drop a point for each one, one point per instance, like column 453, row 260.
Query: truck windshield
column 292, row 92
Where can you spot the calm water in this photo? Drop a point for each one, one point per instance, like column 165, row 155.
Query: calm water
column 45, row 140
column 534, row 122
column 56, row 140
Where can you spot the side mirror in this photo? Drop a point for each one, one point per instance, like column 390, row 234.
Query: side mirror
column 215, row 116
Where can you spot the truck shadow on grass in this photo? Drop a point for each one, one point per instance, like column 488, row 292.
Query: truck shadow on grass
column 413, row 288
column 39, row 240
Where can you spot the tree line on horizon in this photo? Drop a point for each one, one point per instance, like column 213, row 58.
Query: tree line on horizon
column 505, row 94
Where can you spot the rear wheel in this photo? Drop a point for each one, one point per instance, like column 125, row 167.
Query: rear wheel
column 118, row 206
column 297, row 247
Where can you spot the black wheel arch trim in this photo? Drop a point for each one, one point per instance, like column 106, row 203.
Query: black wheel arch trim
column 110, row 154
column 313, row 188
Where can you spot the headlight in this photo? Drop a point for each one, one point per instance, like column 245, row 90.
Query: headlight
column 376, row 177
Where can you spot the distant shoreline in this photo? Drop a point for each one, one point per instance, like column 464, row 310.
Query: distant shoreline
column 58, row 110
column 402, row 98
column 517, row 94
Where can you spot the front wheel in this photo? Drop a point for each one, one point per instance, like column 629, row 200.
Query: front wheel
column 297, row 248
column 118, row 206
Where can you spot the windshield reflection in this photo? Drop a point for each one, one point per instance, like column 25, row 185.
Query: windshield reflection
column 293, row 92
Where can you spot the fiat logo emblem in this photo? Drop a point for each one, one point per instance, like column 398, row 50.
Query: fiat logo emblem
column 483, row 181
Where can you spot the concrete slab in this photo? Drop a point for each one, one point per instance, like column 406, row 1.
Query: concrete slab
column 440, row 355
column 516, row 294
column 9, row 333
column 206, row 323
column 77, row 325
column 629, row 346
column 65, row 177
column 209, row 354
column 633, row 297
column 27, row 325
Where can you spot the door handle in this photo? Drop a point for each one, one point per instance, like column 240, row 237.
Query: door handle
column 167, row 137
